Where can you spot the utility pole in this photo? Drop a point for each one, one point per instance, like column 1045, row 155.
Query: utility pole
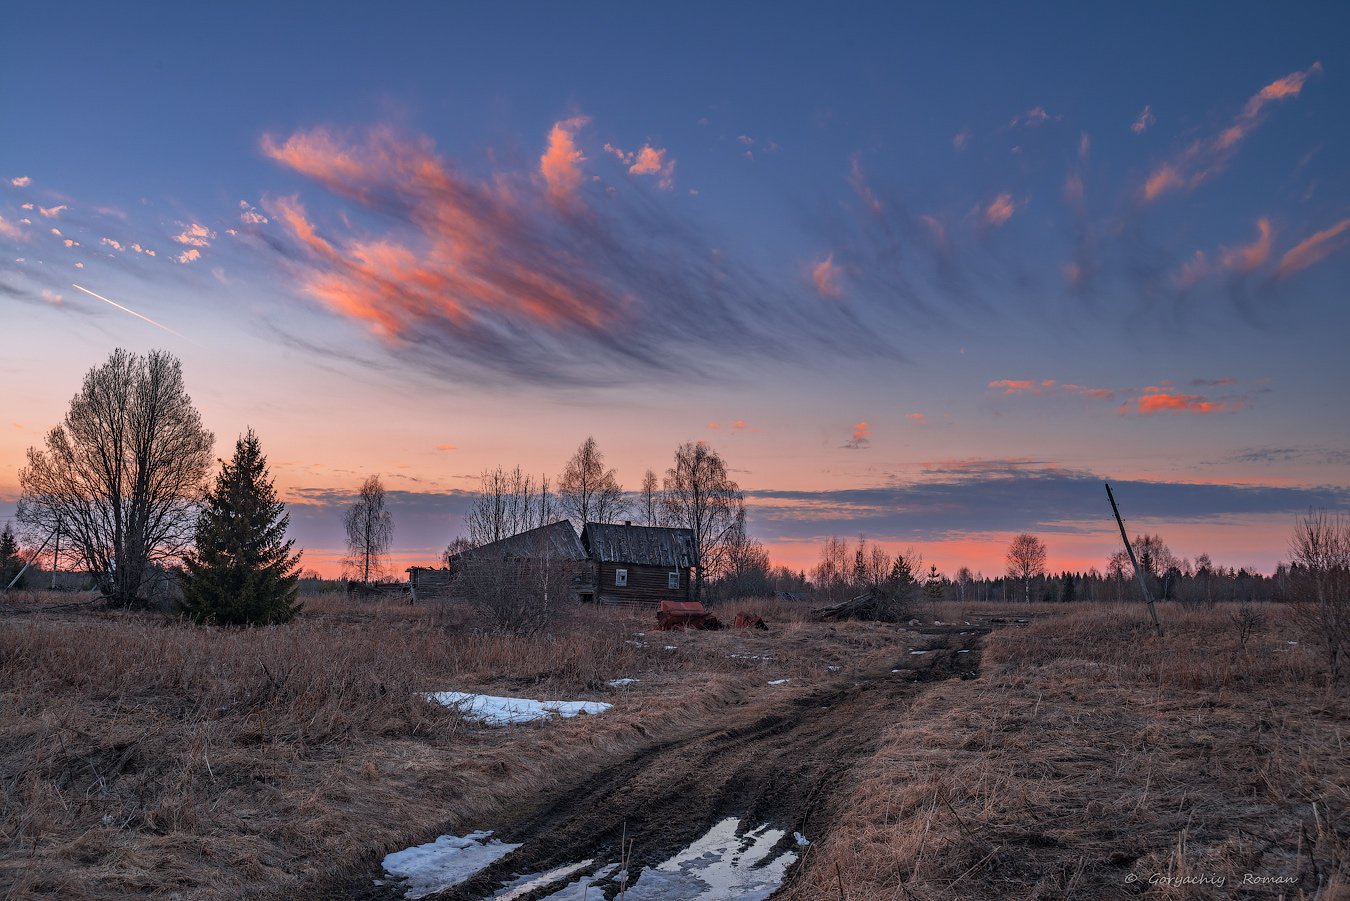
column 1139, row 573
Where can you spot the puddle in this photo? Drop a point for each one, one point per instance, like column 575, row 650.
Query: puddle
column 427, row 869
column 719, row 865
column 526, row 885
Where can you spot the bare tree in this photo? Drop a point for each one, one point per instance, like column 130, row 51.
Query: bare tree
column 649, row 500
column 508, row 502
column 122, row 474
column 699, row 495
column 587, row 492
column 963, row 580
column 747, row 570
column 370, row 529
column 1321, row 567
column 517, row 592
column 831, row 575
column 1026, row 560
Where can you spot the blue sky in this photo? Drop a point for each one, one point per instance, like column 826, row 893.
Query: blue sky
column 884, row 241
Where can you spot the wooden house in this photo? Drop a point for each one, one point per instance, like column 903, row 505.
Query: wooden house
column 553, row 547
column 639, row 564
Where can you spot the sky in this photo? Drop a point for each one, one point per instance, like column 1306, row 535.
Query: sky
column 928, row 276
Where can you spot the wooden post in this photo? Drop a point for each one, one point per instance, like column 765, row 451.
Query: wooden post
column 56, row 553
column 1139, row 573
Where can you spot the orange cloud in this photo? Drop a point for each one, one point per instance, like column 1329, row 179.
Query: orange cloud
column 713, row 425
column 1160, row 400
column 738, row 424
column 862, row 436
column 1013, row 386
column 195, row 235
column 827, row 278
column 561, row 162
column 446, row 447
column 1207, row 157
column 918, row 418
column 1314, row 249
column 1247, row 258
column 191, row 255
column 1000, row 211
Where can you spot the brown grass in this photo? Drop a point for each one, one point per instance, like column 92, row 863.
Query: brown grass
column 1091, row 752
column 140, row 755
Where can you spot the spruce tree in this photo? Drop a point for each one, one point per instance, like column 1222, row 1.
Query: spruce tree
column 241, row 571
column 11, row 561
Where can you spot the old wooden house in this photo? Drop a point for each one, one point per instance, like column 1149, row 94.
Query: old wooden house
column 639, row 564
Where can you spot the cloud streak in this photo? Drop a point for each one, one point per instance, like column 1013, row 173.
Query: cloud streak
column 1209, row 156
column 530, row 280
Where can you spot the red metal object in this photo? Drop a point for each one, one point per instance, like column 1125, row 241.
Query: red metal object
column 750, row 621
column 684, row 615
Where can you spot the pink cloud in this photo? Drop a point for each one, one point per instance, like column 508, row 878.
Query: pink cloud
column 918, row 418
column 51, row 297
column 1014, row 386
column 191, row 255
column 1314, row 248
column 22, row 181
column 195, row 235
column 53, row 212
column 827, row 278
column 1000, row 211
column 1207, row 157
column 446, row 447
column 1248, row 257
column 10, row 230
column 858, row 182
column 561, row 162
column 1157, row 400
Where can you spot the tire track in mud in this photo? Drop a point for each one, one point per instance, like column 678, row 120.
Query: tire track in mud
column 789, row 768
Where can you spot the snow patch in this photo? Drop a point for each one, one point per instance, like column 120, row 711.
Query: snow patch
column 533, row 882
column 502, row 711
column 448, row 861
column 621, row 683
column 779, row 681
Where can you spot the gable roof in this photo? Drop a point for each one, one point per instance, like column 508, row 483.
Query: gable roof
column 556, row 540
column 609, row 542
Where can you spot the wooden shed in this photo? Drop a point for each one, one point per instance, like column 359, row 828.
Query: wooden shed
column 639, row 564
column 555, row 545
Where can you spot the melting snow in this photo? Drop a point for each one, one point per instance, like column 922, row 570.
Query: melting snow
column 802, row 841
column 778, row 681
column 500, row 711
column 580, row 890
column 621, row 683
column 448, row 861
column 533, row 882
column 919, row 652
column 721, row 864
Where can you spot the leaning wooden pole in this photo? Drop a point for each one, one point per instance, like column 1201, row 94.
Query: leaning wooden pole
column 1138, row 573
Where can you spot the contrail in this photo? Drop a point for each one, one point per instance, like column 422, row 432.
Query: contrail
column 125, row 310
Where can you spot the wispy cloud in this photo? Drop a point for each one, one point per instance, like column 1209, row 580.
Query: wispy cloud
column 53, row 212
column 22, row 181
column 1145, row 121
column 1315, row 248
column 10, row 230
column 1208, row 156
column 1249, row 256
column 1162, row 400
column 496, row 276
column 827, row 278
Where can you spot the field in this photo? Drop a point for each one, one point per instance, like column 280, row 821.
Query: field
column 1032, row 751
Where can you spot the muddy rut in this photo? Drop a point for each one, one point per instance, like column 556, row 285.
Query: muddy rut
column 789, row 768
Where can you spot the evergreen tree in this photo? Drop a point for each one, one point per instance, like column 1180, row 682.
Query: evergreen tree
column 242, row 571
column 10, row 559
column 1070, row 592
column 933, row 588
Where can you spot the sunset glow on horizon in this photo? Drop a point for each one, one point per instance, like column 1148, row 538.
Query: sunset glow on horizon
column 916, row 280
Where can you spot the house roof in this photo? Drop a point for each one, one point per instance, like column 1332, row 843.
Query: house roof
column 610, row 542
column 556, row 540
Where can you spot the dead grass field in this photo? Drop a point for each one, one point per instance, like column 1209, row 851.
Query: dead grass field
column 1094, row 760
column 139, row 755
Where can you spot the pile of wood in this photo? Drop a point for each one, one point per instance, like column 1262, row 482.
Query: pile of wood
column 873, row 604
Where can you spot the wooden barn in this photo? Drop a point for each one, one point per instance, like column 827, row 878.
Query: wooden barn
column 555, row 544
column 639, row 564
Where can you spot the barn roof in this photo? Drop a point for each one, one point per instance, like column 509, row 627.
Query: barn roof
column 556, row 540
column 610, row 542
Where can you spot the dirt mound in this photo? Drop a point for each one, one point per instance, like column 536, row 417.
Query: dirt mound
column 786, row 767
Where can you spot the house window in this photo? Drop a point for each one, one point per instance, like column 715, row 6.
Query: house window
column 621, row 578
column 673, row 580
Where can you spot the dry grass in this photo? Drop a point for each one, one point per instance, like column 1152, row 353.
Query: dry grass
column 1092, row 753
column 140, row 755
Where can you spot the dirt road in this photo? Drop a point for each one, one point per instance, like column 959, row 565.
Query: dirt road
column 787, row 768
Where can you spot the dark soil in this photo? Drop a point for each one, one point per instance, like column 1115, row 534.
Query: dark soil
column 788, row 768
